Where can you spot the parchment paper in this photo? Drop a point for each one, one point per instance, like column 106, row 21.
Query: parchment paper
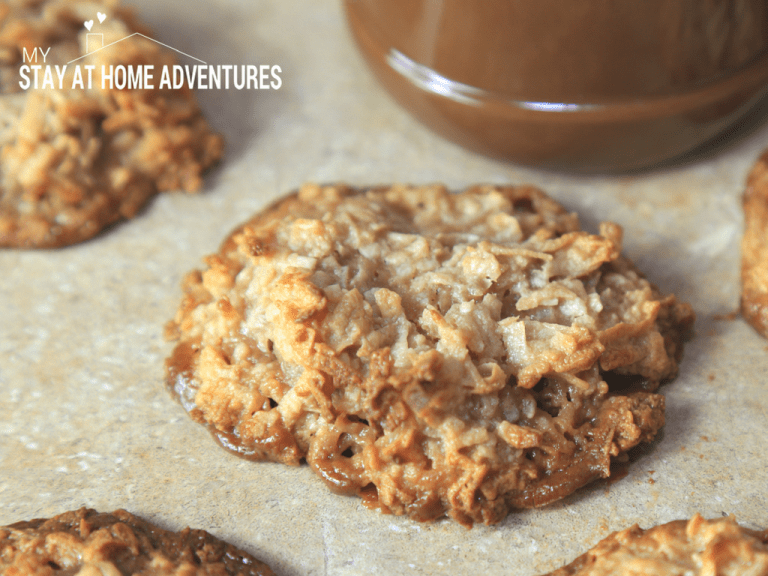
column 84, row 416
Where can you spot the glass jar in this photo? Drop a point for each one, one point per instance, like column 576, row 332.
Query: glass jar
column 584, row 85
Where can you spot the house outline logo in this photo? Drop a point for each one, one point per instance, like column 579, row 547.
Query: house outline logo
column 102, row 47
column 99, row 36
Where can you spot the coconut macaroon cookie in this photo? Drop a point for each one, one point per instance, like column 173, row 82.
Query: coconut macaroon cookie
column 691, row 547
column 88, row 543
column 435, row 353
column 754, row 248
column 76, row 159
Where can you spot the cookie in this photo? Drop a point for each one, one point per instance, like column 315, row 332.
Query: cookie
column 86, row 542
column 435, row 353
column 691, row 547
column 74, row 160
column 754, row 248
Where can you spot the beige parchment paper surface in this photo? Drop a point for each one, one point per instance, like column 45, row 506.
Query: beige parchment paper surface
column 85, row 419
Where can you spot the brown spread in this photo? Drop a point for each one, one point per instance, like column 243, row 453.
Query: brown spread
column 584, row 85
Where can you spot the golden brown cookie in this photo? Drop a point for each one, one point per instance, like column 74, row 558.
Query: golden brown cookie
column 754, row 248
column 74, row 160
column 435, row 353
column 693, row 547
column 89, row 543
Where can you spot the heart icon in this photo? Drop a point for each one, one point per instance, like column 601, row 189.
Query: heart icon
column 89, row 25
column 101, row 16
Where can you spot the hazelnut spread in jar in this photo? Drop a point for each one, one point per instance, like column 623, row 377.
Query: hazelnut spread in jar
column 587, row 85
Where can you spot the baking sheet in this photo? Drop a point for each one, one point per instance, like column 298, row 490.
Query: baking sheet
column 84, row 416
